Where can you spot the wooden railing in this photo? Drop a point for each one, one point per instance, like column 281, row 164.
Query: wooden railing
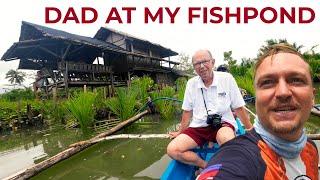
column 82, row 67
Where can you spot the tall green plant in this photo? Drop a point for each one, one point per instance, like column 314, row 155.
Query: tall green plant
column 181, row 87
column 142, row 85
column 246, row 82
column 123, row 105
column 81, row 107
column 315, row 68
column 166, row 108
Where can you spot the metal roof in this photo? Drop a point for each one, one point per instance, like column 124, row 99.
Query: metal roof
column 47, row 44
column 103, row 32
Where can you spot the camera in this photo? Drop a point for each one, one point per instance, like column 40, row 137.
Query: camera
column 214, row 120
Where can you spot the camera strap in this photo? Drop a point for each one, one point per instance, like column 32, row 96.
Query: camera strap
column 204, row 101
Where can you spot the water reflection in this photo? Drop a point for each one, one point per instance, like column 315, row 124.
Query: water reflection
column 156, row 169
column 19, row 158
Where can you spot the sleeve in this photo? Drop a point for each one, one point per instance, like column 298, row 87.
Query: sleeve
column 187, row 104
column 235, row 94
column 232, row 162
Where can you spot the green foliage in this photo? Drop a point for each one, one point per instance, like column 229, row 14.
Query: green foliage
column 271, row 42
column 315, row 68
column 142, row 85
column 166, row 108
column 18, row 94
column 81, row 107
column 7, row 110
column 185, row 64
column 246, row 82
column 123, row 105
column 181, row 87
column 229, row 59
column 99, row 101
column 54, row 110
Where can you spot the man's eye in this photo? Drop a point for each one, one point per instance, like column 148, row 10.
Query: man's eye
column 296, row 81
column 266, row 83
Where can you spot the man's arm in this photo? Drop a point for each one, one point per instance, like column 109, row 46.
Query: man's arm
column 185, row 119
column 244, row 117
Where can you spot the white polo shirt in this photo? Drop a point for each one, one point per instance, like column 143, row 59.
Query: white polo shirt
column 222, row 94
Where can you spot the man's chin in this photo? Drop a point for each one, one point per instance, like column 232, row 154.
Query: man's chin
column 285, row 127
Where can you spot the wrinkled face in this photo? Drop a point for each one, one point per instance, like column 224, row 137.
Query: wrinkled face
column 284, row 94
column 203, row 64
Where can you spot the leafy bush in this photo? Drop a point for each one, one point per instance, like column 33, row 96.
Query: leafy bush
column 246, row 82
column 181, row 87
column 123, row 105
column 81, row 107
column 166, row 108
column 18, row 94
column 142, row 85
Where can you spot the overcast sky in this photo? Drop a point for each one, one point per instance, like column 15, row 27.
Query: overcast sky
column 243, row 39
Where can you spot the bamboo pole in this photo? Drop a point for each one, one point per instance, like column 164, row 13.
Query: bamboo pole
column 111, row 131
column 314, row 136
column 73, row 149
column 315, row 112
column 132, row 136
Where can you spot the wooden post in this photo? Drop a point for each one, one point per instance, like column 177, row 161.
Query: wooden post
column 85, row 88
column 109, row 91
column 112, row 85
column 105, row 92
column 54, row 93
column 129, row 80
column 65, row 78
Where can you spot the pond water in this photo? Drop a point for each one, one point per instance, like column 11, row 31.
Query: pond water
column 115, row 159
column 112, row 159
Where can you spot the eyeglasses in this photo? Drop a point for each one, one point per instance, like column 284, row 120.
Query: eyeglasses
column 204, row 62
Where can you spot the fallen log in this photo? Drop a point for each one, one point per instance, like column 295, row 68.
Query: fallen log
column 73, row 149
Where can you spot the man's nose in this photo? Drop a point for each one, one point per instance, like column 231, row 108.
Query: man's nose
column 283, row 90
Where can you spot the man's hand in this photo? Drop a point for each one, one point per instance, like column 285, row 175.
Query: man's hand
column 174, row 134
column 241, row 112
column 249, row 129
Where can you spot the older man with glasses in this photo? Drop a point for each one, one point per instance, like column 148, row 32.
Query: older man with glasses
column 207, row 102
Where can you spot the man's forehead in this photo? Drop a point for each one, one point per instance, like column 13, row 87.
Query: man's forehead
column 201, row 55
column 282, row 62
column 284, row 59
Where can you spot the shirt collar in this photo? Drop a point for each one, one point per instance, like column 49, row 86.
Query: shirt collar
column 201, row 84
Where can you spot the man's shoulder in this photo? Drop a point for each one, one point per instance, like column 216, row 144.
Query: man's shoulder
column 194, row 80
column 311, row 144
column 249, row 139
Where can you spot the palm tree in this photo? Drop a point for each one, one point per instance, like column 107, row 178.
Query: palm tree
column 15, row 77
column 271, row 42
